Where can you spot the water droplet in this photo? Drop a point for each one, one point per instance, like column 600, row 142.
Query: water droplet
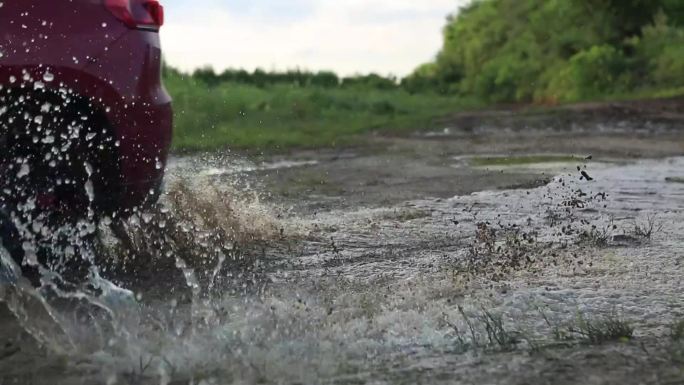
column 158, row 164
column 88, row 168
column 90, row 191
column 38, row 119
column 104, row 25
column 38, row 85
column 24, row 170
column 12, row 79
column 48, row 76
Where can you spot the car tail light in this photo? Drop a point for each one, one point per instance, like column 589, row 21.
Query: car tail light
column 138, row 14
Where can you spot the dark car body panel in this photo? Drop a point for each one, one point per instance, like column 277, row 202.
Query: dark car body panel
column 87, row 52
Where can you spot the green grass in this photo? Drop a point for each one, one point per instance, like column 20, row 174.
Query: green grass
column 604, row 329
column 279, row 117
column 282, row 116
column 521, row 160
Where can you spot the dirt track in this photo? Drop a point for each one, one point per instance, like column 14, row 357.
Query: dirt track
column 393, row 266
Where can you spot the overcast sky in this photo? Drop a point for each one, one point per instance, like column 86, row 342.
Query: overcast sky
column 347, row 36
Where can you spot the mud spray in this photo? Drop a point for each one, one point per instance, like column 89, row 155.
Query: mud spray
column 214, row 286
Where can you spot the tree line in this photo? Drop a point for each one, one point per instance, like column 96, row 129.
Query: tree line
column 299, row 78
column 557, row 50
column 525, row 51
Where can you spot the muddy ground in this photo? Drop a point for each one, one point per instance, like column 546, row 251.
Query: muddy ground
column 474, row 253
column 389, row 170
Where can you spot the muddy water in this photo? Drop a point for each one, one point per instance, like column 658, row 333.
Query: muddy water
column 396, row 290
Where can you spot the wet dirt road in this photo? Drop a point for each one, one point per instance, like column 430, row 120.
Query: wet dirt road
column 455, row 257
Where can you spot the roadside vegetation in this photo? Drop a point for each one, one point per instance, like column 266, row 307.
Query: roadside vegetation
column 551, row 51
column 484, row 329
column 495, row 51
column 284, row 112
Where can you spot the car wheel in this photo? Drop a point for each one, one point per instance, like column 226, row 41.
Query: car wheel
column 54, row 144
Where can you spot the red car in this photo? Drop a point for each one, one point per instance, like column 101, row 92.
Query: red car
column 85, row 121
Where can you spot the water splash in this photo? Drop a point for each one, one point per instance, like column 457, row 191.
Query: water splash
column 339, row 312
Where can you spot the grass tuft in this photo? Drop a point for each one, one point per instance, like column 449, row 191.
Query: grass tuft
column 677, row 330
column 495, row 337
column 647, row 228
column 597, row 236
column 603, row 329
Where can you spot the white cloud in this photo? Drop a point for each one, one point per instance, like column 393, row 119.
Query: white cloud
column 351, row 36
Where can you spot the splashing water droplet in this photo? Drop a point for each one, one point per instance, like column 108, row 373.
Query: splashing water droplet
column 89, row 168
column 90, row 191
column 24, row 170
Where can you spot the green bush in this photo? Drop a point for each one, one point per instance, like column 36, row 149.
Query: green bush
column 661, row 51
column 558, row 50
column 599, row 70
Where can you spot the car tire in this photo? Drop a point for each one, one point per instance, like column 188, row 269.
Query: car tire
column 52, row 160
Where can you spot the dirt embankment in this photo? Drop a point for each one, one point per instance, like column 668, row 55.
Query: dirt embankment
column 666, row 113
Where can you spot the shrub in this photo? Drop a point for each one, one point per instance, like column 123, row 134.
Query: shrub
column 660, row 49
column 597, row 71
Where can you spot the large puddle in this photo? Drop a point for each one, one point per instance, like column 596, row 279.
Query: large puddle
column 468, row 289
